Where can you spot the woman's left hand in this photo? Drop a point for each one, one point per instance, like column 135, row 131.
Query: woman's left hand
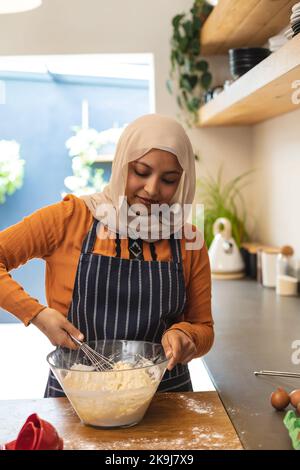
column 178, row 347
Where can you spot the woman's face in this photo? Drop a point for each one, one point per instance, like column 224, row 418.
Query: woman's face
column 153, row 178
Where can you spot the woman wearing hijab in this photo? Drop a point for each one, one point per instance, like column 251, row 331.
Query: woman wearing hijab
column 105, row 282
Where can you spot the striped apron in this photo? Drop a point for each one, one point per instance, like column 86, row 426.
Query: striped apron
column 133, row 299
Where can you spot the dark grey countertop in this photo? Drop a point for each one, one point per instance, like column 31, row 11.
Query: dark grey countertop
column 255, row 330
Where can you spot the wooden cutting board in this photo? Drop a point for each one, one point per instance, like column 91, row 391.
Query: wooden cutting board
column 192, row 420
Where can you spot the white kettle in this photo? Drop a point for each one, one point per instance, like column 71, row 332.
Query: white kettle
column 226, row 261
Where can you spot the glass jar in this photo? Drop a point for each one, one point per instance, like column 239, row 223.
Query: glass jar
column 283, row 262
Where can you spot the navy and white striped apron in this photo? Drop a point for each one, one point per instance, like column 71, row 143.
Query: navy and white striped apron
column 117, row 298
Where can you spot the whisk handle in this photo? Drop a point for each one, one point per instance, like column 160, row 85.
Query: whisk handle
column 76, row 341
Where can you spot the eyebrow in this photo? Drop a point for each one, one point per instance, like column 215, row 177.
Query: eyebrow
column 165, row 172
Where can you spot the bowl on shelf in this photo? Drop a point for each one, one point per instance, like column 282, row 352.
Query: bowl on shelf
column 243, row 59
column 117, row 397
column 249, row 51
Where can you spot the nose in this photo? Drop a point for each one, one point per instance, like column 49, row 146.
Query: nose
column 152, row 187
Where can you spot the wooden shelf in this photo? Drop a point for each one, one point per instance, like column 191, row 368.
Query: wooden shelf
column 239, row 23
column 263, row 92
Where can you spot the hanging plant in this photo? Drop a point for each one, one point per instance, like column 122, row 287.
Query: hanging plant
column 190, row 77
column 11, row 168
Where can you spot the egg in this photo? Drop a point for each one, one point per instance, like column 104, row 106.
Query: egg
column 280, row 399
column 295, row 397
column 298, row 408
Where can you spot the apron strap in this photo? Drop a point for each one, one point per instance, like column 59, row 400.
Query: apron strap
column 90, row 238
column 118, row 246
column 176, row 249
column 153, row 252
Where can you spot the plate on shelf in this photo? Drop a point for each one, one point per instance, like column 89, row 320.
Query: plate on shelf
column 289, row 33
column 295, row 20
column 296, row 29
column 296, row 7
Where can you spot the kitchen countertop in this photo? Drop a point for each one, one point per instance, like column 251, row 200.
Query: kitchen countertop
column 255, row 330
column 186, row 421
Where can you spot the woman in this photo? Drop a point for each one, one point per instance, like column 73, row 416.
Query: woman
column 102, row 282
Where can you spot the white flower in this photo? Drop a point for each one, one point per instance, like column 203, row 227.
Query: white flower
column 74, row 182
column 84, row 148
column 9, row 150
column 11, row 168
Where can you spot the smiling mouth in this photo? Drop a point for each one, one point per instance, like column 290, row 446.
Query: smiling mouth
column 147, row 201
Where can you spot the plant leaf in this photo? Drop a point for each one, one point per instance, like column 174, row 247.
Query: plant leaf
column 176, row 20
column 202, row 66
column 206, row 80
column 169, row 84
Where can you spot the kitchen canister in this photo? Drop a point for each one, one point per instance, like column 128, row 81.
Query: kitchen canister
column 284, row 260
column 294, row 271
column 286, row 285
column 268, row 266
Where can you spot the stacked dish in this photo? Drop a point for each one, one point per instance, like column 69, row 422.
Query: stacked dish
column 276, row 42
column 295, row 18
column 243, row 59
column 294, row 22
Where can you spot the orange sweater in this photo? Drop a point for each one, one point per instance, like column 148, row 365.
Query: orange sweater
column 55, row 234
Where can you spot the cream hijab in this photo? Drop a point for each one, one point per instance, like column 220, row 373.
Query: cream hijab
column 138, row 138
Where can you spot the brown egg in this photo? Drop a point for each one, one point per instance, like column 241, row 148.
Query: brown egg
column 295, row 397
column 298, row 408
column 280, row 399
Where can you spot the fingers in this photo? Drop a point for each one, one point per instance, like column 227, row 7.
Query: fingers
column 176, row 352
column 72, row 330
column 167, row 346
column 178, row 347
column 57, row 328
column 168, row 350
column 66, row 340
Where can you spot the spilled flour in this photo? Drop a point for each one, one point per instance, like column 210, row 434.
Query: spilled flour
column 196, row 407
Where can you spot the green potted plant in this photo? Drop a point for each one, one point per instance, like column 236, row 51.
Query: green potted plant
column 190, row 77
column 223, row 200
column 11, row 168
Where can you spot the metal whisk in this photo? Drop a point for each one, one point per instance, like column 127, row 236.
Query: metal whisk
column 100, row 362
column 277, row 373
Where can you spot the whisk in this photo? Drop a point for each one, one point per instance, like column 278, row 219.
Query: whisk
column 100, row 362
column 277, row 373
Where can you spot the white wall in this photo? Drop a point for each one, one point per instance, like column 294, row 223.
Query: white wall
column 276, row 156
column 97, row 26
column 116, row 26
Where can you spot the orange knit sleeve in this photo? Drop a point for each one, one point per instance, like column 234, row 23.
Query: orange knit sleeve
column 36, row 236
column 197, row 318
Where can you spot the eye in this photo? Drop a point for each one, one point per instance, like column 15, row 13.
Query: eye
column 169, row 182
column 141, row 174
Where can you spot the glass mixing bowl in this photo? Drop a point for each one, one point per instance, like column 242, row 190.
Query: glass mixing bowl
column 117, row 397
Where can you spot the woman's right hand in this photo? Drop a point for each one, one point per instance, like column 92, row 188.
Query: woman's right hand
column 57, row 328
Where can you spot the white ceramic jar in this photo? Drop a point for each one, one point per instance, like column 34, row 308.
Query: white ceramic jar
column 268, row 264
